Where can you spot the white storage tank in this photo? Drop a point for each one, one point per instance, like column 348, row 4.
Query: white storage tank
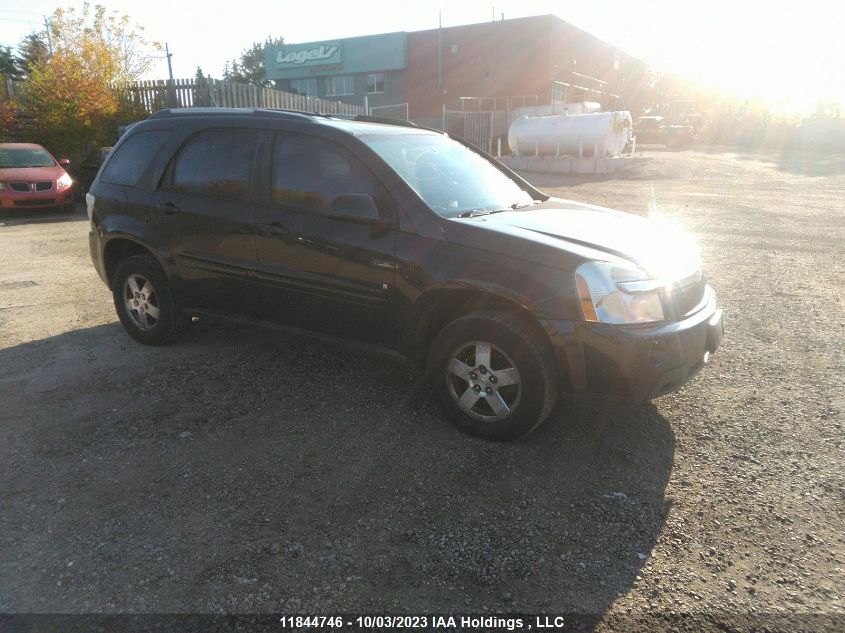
column 608, row 132
column 578, row 107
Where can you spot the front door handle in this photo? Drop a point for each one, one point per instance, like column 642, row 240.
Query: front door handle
column 274, row 229
column 168, row 207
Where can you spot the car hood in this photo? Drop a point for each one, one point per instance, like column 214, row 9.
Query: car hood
column 590, row 232
column 29, row 174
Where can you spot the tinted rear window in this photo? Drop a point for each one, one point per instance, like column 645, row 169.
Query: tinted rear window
column 216, row 163
column 131, row 159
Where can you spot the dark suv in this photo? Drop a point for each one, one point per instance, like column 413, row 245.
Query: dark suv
column 404, row 239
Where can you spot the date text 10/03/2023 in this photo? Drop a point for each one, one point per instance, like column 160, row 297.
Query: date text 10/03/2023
column 487, row 622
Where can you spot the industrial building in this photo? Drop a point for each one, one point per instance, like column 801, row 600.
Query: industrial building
column 526, row 61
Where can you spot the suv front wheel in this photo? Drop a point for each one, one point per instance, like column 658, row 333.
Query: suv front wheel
column 143, row 299
column 492, row 375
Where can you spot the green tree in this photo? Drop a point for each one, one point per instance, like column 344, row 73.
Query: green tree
column 73, row 97
column 33, row 50
column 9, row 64
column 201, row 95
column 250, row 68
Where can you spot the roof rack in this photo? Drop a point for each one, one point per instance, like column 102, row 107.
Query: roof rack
column 168, row 112
column 365, row 118
column 298, row 114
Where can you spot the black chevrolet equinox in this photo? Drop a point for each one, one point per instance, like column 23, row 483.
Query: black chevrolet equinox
column 401, row 238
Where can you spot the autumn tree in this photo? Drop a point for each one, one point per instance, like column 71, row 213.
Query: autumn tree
column 249, row 69
column 9, row 121
column 73, row 96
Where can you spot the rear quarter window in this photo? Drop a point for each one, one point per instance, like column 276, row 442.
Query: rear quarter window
column 129, row 162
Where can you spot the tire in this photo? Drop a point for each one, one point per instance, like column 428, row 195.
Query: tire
column 675, row 143
column 456, row 366
column 157, row 320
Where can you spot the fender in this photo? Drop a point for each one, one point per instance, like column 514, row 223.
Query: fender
column 493, row 290
column 546, row 308
column 135, row 230
column 433, row 301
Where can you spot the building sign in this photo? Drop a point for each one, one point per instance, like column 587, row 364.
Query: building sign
column 349, row 56
column 308, row 55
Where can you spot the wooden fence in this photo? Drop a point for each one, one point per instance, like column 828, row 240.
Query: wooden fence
column 187, row 93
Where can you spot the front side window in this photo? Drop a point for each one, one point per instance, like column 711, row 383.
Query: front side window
column 132, row 158
column 216, row 163
column 451, row 178
column 19, row 158
column 308, row 173
column 341, row 85
column 305, row 87
column 375, row 82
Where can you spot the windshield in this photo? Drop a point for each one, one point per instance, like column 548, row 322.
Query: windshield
column 11, row 158
column 448, row 176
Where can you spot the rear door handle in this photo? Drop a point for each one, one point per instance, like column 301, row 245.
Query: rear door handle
column 168, row 207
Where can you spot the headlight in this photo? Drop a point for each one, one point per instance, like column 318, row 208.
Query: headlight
column 610, row 293
column 64, row 181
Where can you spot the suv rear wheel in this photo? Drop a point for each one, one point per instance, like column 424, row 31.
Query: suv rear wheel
column 144, row 302
column 492, row 375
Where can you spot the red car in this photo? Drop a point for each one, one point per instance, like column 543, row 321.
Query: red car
column 31, row 178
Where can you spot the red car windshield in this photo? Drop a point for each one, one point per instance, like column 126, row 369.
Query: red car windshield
column 16, row 158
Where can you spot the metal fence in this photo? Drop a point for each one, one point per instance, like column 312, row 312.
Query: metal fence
column 482, row 129
column 475, row 127
column 398, row 111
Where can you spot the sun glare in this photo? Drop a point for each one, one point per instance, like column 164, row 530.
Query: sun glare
column 791, row 57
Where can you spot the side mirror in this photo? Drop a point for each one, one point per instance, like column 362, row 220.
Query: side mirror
column 355, row 206
column 64, row 162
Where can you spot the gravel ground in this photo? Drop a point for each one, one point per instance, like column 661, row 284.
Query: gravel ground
column 250, row 471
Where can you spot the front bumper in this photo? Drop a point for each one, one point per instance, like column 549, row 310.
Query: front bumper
column 637, row 362
column 96, row 246
column 10, row 199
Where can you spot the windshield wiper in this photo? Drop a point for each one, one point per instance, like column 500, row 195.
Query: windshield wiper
column 526, row 204
column 476, row 212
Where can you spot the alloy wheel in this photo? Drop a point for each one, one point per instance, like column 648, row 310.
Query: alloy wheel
column 483, row 381
column 141, row 302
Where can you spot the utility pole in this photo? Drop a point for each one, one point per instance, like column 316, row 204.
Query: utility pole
column 440, row 47
column 169, row 65
column 171, row 87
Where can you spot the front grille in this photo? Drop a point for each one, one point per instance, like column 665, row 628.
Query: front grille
column 687, row 295
column 44, row 186
column 19, row 186
column 35, row 203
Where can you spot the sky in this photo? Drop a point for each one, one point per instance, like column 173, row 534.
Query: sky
column 790, row 55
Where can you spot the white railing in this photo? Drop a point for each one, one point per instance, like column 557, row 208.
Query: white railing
column 398, row 111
